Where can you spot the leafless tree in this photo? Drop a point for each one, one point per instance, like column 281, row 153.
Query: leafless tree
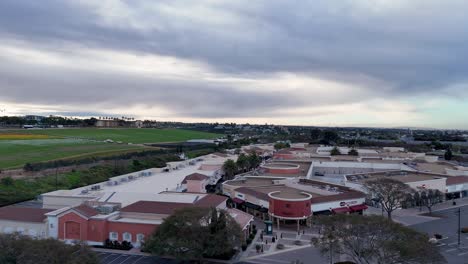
column 388, row 192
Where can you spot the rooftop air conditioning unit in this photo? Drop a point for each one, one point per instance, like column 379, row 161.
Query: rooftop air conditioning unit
column 85, row 191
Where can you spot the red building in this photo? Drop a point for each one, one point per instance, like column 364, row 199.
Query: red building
column 132, row 223
column 288, row 206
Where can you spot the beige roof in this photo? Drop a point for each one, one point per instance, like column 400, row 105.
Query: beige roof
column 403, row 176
column 436, row 167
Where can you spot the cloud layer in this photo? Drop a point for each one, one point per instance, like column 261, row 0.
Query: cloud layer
column 356, row 62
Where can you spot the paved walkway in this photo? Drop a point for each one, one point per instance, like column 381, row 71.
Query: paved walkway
column 289, row 238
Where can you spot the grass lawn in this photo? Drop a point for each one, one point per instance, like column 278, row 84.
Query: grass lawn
column 15, row 153
column 127, row 135
column 18, row 147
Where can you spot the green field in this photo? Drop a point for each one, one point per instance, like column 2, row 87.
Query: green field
column 126, row 135
column 71, row 143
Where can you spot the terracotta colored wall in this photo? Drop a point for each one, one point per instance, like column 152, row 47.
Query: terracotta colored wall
column 284, row 156
column 295, row 209
column 134, row 229
column 196, row 186
column 72, row 217
column 97, row 230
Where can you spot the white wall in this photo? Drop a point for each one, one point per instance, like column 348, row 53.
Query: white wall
column 38, row 230
column 336, row 204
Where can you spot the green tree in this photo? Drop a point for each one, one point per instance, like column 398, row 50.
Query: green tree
column 242, row 162
column 193, row 233
column 353, row 152
column 448, row 154
column 281, row 145
column 230, row 169
column 330, row 136
column 254, row 160
column 16, row 248
column 374, row 239
column 7, row 181
column 335, row 151
column 388, row 192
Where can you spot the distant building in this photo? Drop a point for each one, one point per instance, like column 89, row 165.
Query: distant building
column 34, row 118
column 118, row 123
column 108, row 123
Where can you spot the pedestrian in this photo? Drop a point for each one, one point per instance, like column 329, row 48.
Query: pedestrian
column 281, row 235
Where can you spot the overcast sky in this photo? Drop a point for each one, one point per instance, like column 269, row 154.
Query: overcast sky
column 330, row 63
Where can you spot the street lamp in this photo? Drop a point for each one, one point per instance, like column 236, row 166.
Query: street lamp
column 458, row 212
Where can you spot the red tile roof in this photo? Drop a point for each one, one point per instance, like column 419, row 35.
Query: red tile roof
column 86, row 210
column 194, row 177
column 211, row 200
column 167, row 208
column 457, row 180
column 149, row 207
column 23, row 214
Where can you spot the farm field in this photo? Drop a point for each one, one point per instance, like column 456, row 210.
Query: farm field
column 18, row 147
column 126, row 135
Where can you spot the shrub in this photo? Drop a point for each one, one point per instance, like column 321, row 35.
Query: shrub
column 280, row 246
column 249, row 241
column 252, row 236
column 438, row 236
column 244, row 247
column 258, row 247
column 464, row 230
column 125, row 245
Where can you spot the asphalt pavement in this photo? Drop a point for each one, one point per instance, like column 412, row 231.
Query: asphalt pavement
column 122, row 258
column 447, row 226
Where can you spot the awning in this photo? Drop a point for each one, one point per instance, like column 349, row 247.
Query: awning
column 360, row 207
column 341, row 210
column 237, row 200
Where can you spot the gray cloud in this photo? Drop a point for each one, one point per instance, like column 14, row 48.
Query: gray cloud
column 394, row 51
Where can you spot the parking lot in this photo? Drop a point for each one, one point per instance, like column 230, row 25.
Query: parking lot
column 117, row 258
column 447, row 226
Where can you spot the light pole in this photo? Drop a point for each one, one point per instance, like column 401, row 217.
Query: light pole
column 459, row 223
